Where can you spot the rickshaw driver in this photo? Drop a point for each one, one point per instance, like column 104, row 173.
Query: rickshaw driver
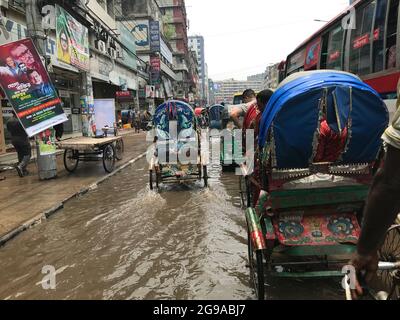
column 249, row 100
column 383, row 205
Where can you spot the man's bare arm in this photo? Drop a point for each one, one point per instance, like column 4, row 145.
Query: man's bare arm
column 383, row 204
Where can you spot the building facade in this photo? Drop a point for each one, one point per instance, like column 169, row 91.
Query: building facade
column 226, row 90
column 176, row 28
column 196, row 44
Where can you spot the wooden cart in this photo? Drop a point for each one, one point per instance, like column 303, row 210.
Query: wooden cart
column 86, row 149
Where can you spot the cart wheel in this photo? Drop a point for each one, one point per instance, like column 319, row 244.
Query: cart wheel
column 109, row 158
column 205, row 176
column 245, row 192
column 71, row 160
column 119, row 149
column 158, row 179
column 256, row 270
column 151, row 179
column 390, row 252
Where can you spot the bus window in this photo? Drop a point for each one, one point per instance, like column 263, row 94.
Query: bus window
column 392, row 34
column 360, row 45
column 335, row 49
column 379, row 36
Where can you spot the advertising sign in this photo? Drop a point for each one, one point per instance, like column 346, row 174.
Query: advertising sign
column 312, row 55
column 104, row 114
column 28, row 88
column 150, row 92
column 155, row 43
column 141, row 34
column 72, row 40
column 128, row 40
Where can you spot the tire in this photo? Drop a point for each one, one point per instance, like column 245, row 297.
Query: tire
column 257, row 275
column 119, row 149
column 245, row 192
column 390, row 252
column 71, row 160
column 151, row 180
column 205, row 176
column 109, row 158
column 242, row 188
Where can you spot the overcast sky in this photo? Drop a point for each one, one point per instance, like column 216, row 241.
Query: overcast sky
column 243, row 37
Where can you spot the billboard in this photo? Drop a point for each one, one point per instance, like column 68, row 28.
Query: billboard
column 72, row 40
column 104, row 114
column 28, row 88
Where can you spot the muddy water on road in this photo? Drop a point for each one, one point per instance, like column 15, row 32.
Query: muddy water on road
column 122, row 241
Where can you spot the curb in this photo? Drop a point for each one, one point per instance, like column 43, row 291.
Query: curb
column 48, row 213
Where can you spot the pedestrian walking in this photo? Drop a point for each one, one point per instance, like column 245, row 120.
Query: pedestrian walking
column 59, row 128
column 20, row 141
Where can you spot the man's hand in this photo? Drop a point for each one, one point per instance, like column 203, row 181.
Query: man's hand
column 366, row 267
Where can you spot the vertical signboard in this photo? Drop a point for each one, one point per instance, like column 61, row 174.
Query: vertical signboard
column 72, row 40
column 28, row 88
column 155, row 64
column 155, row 43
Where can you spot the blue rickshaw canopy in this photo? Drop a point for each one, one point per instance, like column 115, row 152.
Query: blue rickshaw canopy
column 174, row 110
column 293, row 113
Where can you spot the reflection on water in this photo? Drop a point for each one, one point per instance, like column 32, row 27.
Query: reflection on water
column 122, row 241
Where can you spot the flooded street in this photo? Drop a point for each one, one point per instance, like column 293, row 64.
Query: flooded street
column 122, row 241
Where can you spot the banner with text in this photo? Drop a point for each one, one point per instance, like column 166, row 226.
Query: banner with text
column 28, row 88
column 72, row 40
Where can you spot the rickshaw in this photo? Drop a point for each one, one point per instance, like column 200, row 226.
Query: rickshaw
column 219, row 120
column 177, row 153
column 215, row 114
column 304, row 218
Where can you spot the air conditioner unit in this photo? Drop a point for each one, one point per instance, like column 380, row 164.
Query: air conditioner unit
column 101, row 46
column 112, row 52
column 4, row 3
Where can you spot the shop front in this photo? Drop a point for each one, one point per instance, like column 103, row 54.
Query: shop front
column 68, row 85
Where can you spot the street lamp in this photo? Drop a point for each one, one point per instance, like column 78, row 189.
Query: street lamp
column 319, row 20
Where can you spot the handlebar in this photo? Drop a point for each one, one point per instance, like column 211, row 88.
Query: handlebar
column 382, row 266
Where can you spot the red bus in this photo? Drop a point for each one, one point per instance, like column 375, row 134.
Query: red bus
column 369, row 49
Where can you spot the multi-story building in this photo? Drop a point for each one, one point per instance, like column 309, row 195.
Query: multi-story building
column 196, row 43
column 152, row 46
column 175, row 29
column 109, row 63
column 225, row 90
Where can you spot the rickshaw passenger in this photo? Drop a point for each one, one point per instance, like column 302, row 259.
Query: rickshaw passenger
column 262, row 101
column 331, row 144
column 383, row 204
column 249, row 99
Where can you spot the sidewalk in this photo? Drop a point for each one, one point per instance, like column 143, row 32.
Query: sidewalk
column 25, row 201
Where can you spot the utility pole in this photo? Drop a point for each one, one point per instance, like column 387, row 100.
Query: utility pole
column 47, row 164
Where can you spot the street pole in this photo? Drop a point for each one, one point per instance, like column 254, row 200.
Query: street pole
column 47, row 164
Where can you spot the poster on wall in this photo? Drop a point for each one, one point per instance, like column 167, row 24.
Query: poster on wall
column 72, row 40
column 28, row 88
column 104, row 115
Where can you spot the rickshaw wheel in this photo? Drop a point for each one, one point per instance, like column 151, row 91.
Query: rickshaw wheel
column 119, row 149
column 109, row 158
column 205, row 176
column 390, row 252
column 256, row 270
column 71, row 160
column 151, row 179
column 245, row 192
